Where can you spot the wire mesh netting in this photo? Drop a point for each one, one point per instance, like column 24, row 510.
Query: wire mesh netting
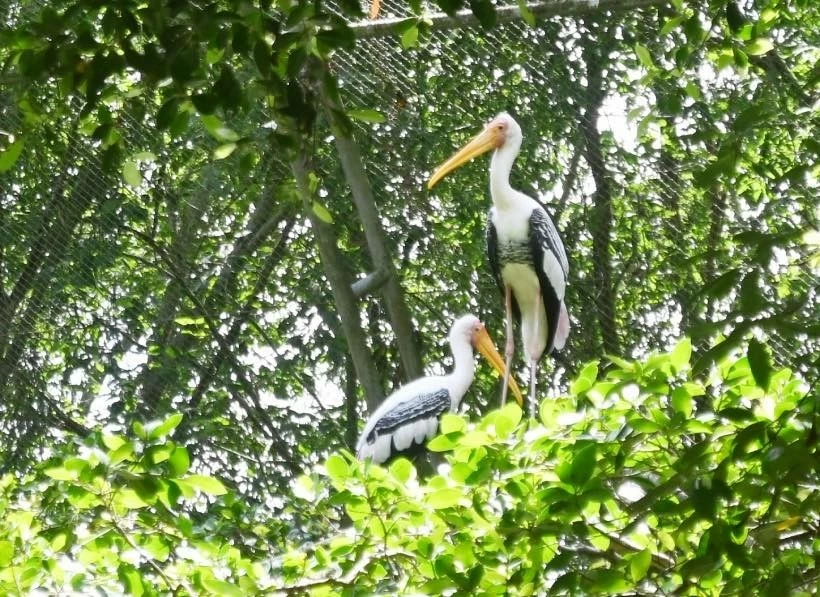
column 176, row 281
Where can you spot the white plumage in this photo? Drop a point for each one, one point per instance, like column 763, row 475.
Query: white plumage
column 410, row 416
column 527, row 257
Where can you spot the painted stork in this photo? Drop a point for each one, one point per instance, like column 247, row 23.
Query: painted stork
column 410, row 415
column 527, row 257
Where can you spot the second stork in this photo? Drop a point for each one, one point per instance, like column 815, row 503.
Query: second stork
column 527, row 257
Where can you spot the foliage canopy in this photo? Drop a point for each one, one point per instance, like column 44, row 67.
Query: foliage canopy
column 188, row 192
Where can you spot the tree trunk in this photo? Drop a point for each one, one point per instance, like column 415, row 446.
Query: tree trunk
column 356, row 177
column 595, row 57
column 340, row 284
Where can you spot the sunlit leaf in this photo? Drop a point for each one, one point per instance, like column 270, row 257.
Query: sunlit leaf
column 644, row 56
column 322, row 213
column 444, row 498
column 337, row 468
column 224, row 150
column 162, row 429
column 759, row 46
column 131, row 173
column 179, row 461
column 639, row 564
column 205, row 484
column 366, row 115
column 10, row 155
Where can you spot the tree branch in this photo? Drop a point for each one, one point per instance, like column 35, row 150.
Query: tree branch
column 338, row 276
column 351, row 160
column 543, row 10
column 595, row 55
column 370, row 283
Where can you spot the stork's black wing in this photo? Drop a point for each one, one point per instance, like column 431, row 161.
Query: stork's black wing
column 495, row 264
column 422, row 407
column 551, row 267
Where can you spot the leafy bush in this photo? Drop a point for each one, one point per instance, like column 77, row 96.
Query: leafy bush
column 643, row 480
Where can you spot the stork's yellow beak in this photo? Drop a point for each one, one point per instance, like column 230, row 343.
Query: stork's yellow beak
column 490, row 138
column 485, row 346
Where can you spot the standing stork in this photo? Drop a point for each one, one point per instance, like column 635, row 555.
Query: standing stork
column 527, row 257
column 410, row 415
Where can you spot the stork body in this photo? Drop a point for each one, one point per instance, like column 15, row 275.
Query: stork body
column 410, row 416
column 527, row 257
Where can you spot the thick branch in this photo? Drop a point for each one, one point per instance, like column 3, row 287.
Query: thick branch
column 356, row 176
column 370, row 283
column 543, row 10
column 601, row 225
column 339, row 279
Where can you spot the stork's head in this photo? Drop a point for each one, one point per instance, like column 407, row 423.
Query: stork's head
column 469, row 328
column 501, row 132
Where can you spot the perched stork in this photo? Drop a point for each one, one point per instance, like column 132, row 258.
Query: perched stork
column 410, row 415
column 527, row 257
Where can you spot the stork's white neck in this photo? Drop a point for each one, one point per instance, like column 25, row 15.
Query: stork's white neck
column 464, row 369
column 500, row 167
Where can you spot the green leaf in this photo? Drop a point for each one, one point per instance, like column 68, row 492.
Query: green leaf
column 644, row 56
column 337, row 468
column 410, row 37
column 734, row 17
column 451, row 423
column 366, row 115
column 185, row 320
column 608, row 582
column 205, row 103
column 759, row 46
column 586, row 379
column 6, row 553
column 160, row 430
column 484, row 12
column 681, row 354
column 131, row 579
column 111, row 441
column 751, row 296
column 322, row 213
column 205, row 484
column 131, row 173
column 760, row 363
column 720, row 286
column 402, row 469
column 9, row 156
column 129, row 499
column 682, row 402
column 179, row 461
column 217, row 129
column 579, row 471
column 167, row 113
column 526, row 13
column 506, row 419
column 223, row 151
column 61, row 473
column 443, row 443
column 220, row 587
column 124, row 452
column 444, row 498
column 639, row 564
column 340, row 36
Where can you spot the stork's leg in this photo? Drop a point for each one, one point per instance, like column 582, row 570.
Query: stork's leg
column 532, row 353
column 510, row 348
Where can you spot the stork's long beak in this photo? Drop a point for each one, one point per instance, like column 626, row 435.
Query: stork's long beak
column 485, row 346
column 488, row 139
